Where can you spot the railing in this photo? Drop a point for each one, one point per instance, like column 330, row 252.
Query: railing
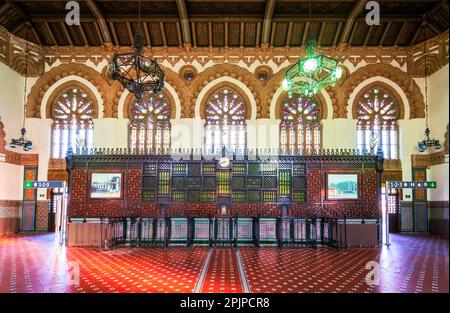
column 178, row 154
column 234, row 231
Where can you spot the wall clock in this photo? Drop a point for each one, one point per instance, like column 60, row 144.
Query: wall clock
column 224, row 162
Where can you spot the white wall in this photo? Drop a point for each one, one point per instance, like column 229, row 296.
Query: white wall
column 11, row 110
column 439, row 173
column 11, row 182
column 438, row 98
column 11, row 101
column 438, row 85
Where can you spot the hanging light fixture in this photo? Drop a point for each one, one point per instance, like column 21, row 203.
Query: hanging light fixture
column 22, row 141
column 427, row 142
column 136, row 72
column 313, row 73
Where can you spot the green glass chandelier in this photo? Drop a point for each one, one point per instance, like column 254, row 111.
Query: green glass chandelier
column 311, row 74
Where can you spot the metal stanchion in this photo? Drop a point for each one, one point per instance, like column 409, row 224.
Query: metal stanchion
column 386, row 214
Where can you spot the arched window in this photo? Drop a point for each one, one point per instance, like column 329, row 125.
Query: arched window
column 73, row 127
column 225, row 124
column 377, row 114
column 300, row 125
column 150, row 123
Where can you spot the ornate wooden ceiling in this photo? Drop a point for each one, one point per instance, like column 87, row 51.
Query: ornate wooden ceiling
column 232, row 23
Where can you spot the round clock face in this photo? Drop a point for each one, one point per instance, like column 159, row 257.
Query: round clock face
column 224, row 162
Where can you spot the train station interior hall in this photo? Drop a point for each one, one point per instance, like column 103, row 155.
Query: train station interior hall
column 241, row 146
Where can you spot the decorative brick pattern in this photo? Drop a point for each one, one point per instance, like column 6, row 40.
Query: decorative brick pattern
column 314, row 186
column 130, row 205
column 42, row 215
column 10, row 209
column 134, row 184
column 79, row 183
column 316, row 206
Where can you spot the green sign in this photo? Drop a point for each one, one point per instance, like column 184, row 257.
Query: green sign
column 412, row 184
column 28, row 184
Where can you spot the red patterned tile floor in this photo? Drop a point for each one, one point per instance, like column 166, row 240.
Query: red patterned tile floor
column 33, row 263
column 223, row 273
column 412, row 263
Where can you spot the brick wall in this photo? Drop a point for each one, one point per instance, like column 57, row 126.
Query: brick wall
column 131, row 205
column 42, row 215
column 10, row 215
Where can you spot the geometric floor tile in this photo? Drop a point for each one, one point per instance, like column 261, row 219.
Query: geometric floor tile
column 223, row 272
column 412, row 263
column 34, row 263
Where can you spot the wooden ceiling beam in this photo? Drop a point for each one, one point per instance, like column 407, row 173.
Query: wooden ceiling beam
column 179, row 34
column 226, row 35
column 433, row 28
column 241, row 41
column 17, row 9
column 130, row 33
column 305, row 33
column 147, row 34
column 321, row 31
column 83, row 34
column 258, row 34
column 182, row 12
column 369, row 32
column 50, row 34
column 424, row 22
column 436, row 8
column 357, row 9
column 289, row 34
column 352, row 33
column 210, row 18
column 400, row 34
column 336, row 35
column 36, row 35
column 267, row 22
column 99, row 33
column 23, row 15
column 66, row 32
column 210, row 35
column 17, row 27
column 5, row 6
column 163, row 33
column 385, row 32
column 194, row 35
column 272, row 34
column 416, row 34
column 114, row 34
column 100, row 20
column 56, row 18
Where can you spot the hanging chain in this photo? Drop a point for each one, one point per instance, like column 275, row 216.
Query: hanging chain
column 139, row 15
column 25, row 84
column 426, row 81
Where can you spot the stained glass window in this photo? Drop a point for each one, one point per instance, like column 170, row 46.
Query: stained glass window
column 300, row 125
column 150, row 123
column 377, row 123
column 225, row 122
column 73, row 127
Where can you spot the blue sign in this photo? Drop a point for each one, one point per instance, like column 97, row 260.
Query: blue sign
column 44, row 184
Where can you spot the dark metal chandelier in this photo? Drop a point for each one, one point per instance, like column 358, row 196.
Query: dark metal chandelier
column 136, row 72
column 427, row 142
column 22, row 141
